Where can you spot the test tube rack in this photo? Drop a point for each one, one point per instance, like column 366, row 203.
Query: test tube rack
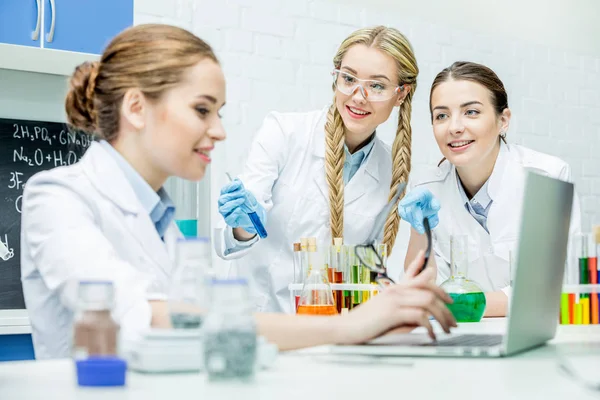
column 580, row 305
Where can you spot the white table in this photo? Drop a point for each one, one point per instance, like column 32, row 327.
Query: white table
column 311, row 374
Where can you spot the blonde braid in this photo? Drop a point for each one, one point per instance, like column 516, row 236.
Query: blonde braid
column 401, row 152
column 334, row 169
column 393, row 43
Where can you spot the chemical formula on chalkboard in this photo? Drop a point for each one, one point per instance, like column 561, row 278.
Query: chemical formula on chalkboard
column 26, row 148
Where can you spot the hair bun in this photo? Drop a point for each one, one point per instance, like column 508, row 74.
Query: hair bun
column 79, row 103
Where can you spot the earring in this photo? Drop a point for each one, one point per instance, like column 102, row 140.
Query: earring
column 503, row 134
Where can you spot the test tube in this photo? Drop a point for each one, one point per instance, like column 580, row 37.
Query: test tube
column 329, row 263
column 254, row 218
column 581, row 242
column 597, row 244
column 365, row 278
column 581, row 248
column 346, row 278
column 304, row 257
column 592, row 259
column 314, row 261
column 334, row 270
column 338, row 272
column 594, row 243
column 298, row 274
column 354, row 275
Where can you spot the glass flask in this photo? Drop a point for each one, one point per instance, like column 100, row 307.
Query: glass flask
column 469, row 300
column 229, row 332
column 188, row 291
column 316, row 297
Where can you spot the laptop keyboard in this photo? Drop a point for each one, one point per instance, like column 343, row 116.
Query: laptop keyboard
column 469, row 341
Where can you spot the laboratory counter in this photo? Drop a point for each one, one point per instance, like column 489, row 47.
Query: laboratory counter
column 315, row 374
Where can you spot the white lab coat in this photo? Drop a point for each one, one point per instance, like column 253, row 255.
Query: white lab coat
column 285, row 170
column 84, row 221
column 489, row 252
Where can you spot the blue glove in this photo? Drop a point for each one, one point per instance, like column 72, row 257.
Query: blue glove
column 419, row 203
column 235, row 203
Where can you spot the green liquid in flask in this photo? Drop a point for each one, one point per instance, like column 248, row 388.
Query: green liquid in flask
column 467, row 307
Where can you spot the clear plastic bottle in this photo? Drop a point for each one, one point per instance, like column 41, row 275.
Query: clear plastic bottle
column 469, row 300
column 95, row 333
column 188, row 292
column 229, row 332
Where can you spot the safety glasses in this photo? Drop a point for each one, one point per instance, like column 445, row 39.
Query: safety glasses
column 368, row 255
column 372, row 90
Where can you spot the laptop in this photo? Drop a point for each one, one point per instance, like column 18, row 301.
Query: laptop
column 536, row 292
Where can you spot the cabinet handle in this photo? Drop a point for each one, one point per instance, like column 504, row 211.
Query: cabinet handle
column 50, row 35
column 35, row 35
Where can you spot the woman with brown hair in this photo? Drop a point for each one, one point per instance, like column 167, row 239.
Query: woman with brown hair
column 153, row 101
column 325, row 173
column 480, row 182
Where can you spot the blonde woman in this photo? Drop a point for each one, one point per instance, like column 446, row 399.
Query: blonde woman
column 325, row 173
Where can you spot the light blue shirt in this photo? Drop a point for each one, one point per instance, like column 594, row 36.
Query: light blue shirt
column 354, row 161
column 158, row 205
column 479, row 205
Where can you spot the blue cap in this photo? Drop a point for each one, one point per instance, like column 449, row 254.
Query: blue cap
column 101, row 371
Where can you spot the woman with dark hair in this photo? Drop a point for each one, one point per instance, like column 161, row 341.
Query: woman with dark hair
column 479, row 182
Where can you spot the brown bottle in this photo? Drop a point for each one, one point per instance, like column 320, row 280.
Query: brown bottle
column 95, row 332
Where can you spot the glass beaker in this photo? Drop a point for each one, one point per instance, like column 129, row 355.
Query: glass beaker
column 188, row 291
column 469, row 300
column 316, row 297
column 229, row 332
column 187, row 196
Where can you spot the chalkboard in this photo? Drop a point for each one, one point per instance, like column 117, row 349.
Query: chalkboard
column 27, row 147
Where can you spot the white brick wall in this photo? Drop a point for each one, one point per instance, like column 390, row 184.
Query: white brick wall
column 277, row 55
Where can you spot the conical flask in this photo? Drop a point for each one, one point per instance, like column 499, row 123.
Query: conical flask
column 316, row 297
column 469, row 299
